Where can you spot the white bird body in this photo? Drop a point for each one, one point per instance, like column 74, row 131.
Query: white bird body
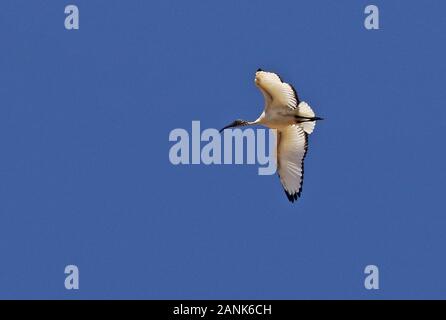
column 281, row 102
column 294, row 121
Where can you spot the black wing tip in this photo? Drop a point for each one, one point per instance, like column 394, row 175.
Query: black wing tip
column 292, row 197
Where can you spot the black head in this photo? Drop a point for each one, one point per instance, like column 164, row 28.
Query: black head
column 258, row 70
column 236, row 123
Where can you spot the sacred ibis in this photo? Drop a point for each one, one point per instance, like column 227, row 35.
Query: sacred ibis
column 293, row 119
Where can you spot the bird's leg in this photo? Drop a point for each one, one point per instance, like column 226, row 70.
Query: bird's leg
column 307, row 119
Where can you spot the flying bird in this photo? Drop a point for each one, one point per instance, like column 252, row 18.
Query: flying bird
column 293, row 119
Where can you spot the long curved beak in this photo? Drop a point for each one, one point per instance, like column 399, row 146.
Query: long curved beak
column 231, row 125
column 227, row 127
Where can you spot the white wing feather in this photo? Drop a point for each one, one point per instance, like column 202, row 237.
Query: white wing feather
column 276, row 92
column 292, row 147
column 305, row 110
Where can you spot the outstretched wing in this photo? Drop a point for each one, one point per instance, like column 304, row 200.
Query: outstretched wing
column 276, row 92
column 292, row 147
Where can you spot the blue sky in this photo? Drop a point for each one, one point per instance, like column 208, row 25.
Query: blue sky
column 85, row 176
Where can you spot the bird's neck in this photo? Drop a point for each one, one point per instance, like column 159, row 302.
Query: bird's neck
column 260, row 120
